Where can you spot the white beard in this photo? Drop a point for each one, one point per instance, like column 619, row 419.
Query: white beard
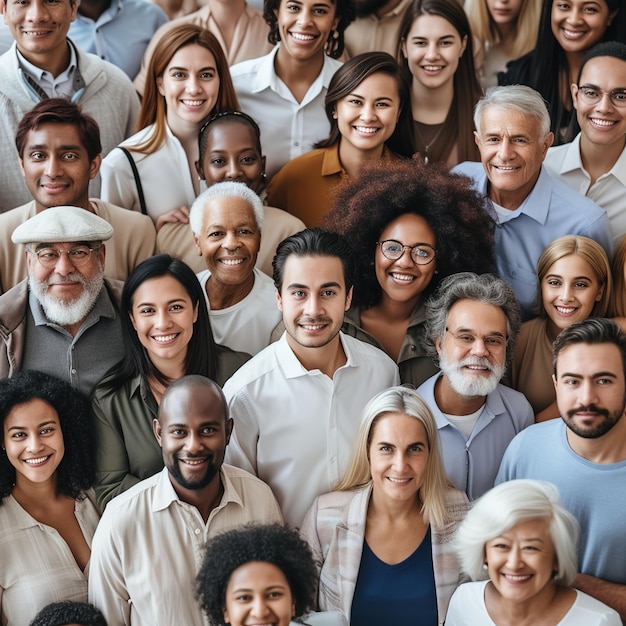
column 468, row 384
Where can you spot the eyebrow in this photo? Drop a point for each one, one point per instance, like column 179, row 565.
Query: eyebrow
column 393, row 445
column 418, row 37
column 45, row 146
column 140, row 304
column 202, row 425
column 471, row 331
column 38, row 425
column 356, row 95
column 324, row 286
column 186, row 69
column 596, row 375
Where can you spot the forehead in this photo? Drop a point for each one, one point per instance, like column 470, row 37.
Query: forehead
column 409, row 229
column 499, row 120
column 605, row 72
column 399, row 426
column 313, row 271
column 192, row 405
column 590, row 360
column 54, row 135
column 230, row 134
column 33, row 411
column 230, row 210
column 477, row 316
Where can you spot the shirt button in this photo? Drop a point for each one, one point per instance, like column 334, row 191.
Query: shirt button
column 73, row 370
column 296, row 143
column 197, row 531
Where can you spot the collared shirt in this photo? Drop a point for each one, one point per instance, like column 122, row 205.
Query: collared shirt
column 81, row 360
column 61, row 86
column 609, row 190
column 472, row 463
column 149, row 546
column 551, row 210
column 288, row 128
column 295, row 428
column 120, row 35
column 37, row 566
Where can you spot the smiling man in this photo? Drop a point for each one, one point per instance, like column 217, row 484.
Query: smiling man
column 297, row 404
column 471, row 325
column 584, row 453
column 150, row 541
column 531, row 207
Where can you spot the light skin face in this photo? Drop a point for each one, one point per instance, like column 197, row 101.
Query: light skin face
column 504, row 13
column 398, row 457
column 569, row 291
column 403, row 280
column 521, row 562
column 602, row 124
column 60, row 283
column 190, row 85
column 368, row 115
column 163, row 316
column 34, row 442
column 232, row 154
column 258, row 593
column 304, row 27
column 590, row 389
column 511, row 151
column 193, row 434
column 56, row 166
column 579, row 24
column 313, row 301
column 433, row 48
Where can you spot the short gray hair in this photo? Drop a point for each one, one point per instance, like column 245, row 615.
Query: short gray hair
column 486, row 288
column 228, row 189
column 518, row 98
column 507, row 505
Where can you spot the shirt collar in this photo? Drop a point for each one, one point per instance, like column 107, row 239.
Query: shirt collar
column 537, row 202
column 38, row 74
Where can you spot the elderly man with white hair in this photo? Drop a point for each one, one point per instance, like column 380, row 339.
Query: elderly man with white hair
column 226, row 221
column 63, row 319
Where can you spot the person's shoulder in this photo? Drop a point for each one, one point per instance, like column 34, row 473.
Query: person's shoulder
column 585, row 604
column 251, row 66
column 511, row 395
column 260, row 365
column 517, row 71
column 126, row 505
column 570, row 198
column 264, row 285
column 10, row 220
column 119, row 217
column 365, row 353
column 241, row 479
column 94, row 66
column 471, row 169
column 140, row 9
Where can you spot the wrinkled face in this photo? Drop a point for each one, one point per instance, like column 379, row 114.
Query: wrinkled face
column 590, row 388
column 193, row 433
column 569, row 291
column 579, row 24
column 368, row 116
column 504, row 13
column 56, row 166
column 258, row 593
column 304, row 27
column 602, row 122
column 229, row 241
column 432, row 49
column 39, row 27
column 190, row 85
column 522, row 560
column 232, row 154
column 313, row 300
column 33, row 441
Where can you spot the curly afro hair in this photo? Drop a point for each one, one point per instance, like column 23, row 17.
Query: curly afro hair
column 76, row 471
column 270, row 543
column 61, row 613
column 457, row 214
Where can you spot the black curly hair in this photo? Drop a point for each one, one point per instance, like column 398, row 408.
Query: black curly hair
column 269, row 543
column 335, row 44
column 62, row 613
column 457, row 214
column 76, row 471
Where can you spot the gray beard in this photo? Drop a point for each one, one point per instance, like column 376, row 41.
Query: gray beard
column 467, row 384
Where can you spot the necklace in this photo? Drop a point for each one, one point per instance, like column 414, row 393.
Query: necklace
column 421, row 140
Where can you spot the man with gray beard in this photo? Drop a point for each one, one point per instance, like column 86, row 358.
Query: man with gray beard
column 471, row 325
column 63, row 319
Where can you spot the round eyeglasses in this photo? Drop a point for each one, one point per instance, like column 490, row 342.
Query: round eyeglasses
column 421, row 253
column 77, row 256
column 591, row 94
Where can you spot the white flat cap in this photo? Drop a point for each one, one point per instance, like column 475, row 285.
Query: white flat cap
column 63, row 223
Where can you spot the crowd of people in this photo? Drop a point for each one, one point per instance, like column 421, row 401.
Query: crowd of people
column 354, row 353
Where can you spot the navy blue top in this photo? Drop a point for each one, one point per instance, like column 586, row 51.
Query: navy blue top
column 400, row 594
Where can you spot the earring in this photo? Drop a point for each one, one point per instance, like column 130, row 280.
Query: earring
column 263, row 176
column 485, row 565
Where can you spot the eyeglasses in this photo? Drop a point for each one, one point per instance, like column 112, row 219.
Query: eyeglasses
column 493, row 343
column 77, row 256
column 593, row 95
column 421, row 253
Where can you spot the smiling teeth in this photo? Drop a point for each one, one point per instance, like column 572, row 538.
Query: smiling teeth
column 313, row 327
column 366, row 129
column 193, row 461
column 516, row 578
column 164, row 338
column 301, row 37
column 231, row 261
column 565, row 309
column 598, row 122
column 398, row 481
column 37, row 461
column 193, row 103
column 432, row 68
column 404, row 277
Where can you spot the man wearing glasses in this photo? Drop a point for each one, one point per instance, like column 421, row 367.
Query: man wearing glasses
column 63, row 319
column 594, row 163
column 471, row 325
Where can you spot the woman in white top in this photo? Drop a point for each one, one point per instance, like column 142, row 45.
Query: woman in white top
column 47, row 509
column 188, row 81
column 519, row 538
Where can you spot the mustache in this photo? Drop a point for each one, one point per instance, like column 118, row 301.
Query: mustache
column 72, row 277
column 590, row 408
column 314, row 320
column 475, row 360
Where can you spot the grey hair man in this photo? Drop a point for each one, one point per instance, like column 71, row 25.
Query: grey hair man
column 63, row 319
column 530, row 207
column 472, row 322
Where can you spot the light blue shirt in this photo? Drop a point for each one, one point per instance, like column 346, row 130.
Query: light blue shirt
column 472, row 464
column 592, row 492
column 551, row 210
column 121, row 34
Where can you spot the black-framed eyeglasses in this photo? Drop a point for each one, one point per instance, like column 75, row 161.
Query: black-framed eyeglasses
column 591, row 94
column 76, row 255
column 421, row 253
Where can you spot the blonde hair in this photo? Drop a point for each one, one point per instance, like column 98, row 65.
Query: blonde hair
column 618, row 304
column 407, row 402
column 525, row 27
column 589, row 250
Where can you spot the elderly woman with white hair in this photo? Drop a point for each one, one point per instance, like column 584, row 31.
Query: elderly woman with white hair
column 524, row 541
column 383, row 540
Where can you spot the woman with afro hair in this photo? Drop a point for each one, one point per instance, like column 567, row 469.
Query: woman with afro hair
column 410, row 226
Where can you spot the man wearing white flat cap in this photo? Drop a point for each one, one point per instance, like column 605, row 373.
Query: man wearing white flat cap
column 63, row 319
